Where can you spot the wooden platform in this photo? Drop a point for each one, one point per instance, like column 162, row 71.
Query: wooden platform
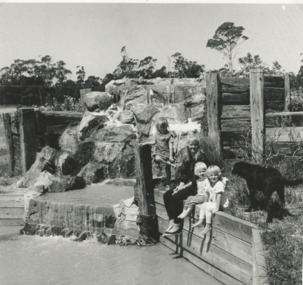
column 226, row 253
column 11, row 209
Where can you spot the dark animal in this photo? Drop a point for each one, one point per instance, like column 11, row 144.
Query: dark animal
column 266, row 180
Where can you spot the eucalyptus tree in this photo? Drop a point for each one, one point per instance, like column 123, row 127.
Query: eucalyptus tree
column 226, row 39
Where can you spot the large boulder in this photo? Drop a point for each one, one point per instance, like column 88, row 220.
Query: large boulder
column 126, row 117
column 107, row 152
column 84, row 153
column 93, row 172
column 113, row 134
column 144, row 116
column 68, row 141
column 97, row 100
column 45, row 161
column 66, row 163
column 124, row 165
column 91, row 122
column 134, row 95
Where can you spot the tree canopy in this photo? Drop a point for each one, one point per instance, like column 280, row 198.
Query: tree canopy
column 225, row 40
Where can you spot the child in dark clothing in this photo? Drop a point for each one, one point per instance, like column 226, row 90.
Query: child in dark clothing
column 163, row 150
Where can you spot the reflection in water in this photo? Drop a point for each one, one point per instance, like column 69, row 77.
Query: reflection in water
column 55, row 260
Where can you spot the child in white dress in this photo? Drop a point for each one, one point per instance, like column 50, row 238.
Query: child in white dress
column 202, row 194
column 215, row 187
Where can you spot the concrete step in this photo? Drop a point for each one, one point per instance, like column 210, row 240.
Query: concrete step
column 11, row 222
column 11, row 200
column 11, row 212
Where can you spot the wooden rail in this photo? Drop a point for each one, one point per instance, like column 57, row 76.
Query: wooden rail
column 226, row 254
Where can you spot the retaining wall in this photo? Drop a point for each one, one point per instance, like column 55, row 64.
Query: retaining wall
column 231, row 252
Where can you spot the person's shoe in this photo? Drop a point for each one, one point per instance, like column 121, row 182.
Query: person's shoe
column 170, row 225
column 176, row 229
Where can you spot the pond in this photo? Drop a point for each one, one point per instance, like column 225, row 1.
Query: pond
column 31, row 260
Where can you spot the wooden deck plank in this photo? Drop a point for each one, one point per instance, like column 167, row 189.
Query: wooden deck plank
column 202, row 264
column 231, row 244
column 227, row 223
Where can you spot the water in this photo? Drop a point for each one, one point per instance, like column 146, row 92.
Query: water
column 31, row 260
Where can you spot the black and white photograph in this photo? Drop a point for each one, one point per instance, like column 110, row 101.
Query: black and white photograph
column 151, row 142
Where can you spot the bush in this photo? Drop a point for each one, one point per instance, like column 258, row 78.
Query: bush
column 284, row 254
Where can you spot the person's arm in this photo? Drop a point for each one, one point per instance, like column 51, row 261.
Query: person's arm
column 182, row 186
column 218, row 201
column 153, row 141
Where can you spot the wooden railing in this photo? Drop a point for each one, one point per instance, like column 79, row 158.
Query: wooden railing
column 231, row 252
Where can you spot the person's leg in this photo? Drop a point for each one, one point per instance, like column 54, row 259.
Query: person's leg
column 201, row 216
column 170, row 205
column 210, row 207
column 185, row 213
column 178, row 201
column 168, row 174
column 175, row 204
column 160, row 159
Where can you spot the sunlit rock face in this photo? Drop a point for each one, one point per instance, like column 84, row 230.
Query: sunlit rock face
column 101, row 146
column 97, row 100
column 68, row 141
column 90, row 123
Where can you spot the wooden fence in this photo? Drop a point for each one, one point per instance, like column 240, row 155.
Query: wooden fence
column 252, row 113
column 27, row 131
column 232, row 252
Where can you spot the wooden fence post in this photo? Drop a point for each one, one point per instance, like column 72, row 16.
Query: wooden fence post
column 287, row 91
column 7, row 122
column 144, row 193
column 213, row 100
column 257, row 111
column 82, row 93
column 28, row 138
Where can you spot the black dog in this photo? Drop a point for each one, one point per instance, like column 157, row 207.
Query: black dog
column 267, row 180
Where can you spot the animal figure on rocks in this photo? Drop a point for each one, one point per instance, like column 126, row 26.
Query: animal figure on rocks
column 267, row 180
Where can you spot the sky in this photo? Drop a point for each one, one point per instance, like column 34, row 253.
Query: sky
column 92, row 34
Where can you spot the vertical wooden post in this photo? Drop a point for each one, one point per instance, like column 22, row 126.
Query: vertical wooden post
column 28, row 138
column 287, row 91
column 82, row 93
column 144, row 193
column 9, row 142
column 213, row 99
column 257, row 111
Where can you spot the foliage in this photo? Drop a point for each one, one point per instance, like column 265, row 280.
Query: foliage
column 226, row 39
column 282, row 239
column 284, row 253
column 186, row 68
column 249, row 62
column 69, row 104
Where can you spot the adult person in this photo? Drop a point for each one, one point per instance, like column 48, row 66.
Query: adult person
column 173, row 199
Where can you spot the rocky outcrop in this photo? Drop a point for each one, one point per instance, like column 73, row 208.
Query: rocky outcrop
column 90, row 123
column 97, row 100
column 126, row 117
column 68, row 141
column 45, row 161
column 102, row 145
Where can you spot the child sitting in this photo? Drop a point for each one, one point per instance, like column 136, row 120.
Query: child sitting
column 215, row 186
column 163, row 150
column 202, row 194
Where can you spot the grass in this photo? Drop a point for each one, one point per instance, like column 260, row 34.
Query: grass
column 282, row 240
